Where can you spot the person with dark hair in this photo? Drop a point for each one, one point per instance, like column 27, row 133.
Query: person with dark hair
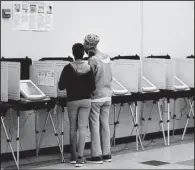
column 78, row 80
column 101, row 101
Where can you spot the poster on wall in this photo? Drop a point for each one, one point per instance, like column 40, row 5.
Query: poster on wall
column 46, row 78
column 33, row 15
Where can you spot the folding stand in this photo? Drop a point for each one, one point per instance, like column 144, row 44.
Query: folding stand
column 188, row 116
column 134, row 117
column 16, row 160
column 136, row 125
column 161, row 121
column 116, row 122
column 168, row 120
column 60, row 144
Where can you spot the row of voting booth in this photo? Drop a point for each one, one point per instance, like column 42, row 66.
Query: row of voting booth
column 133, row 80
column 147, row 75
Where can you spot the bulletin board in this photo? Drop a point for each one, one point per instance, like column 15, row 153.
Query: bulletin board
column 33, row 15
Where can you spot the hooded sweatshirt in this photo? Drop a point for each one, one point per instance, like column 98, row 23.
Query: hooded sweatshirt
column 101, row 65
column 78, row 79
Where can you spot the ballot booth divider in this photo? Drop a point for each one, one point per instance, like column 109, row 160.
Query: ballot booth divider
column 4, row 82
column 14, row 81
column 46, row 74
column 184, row 71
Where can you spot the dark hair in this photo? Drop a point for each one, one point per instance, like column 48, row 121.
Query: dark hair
column 78, row 51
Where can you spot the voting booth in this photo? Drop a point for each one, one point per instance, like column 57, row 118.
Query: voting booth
column 10, row 91
column 46, row 75
column 184, row 70
column 170, row 69
column 126, row 71
column 153, row 73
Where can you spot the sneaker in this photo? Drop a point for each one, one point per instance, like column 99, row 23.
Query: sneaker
column 107, row 158
column 72, row 161
column 95, row 160
column 80, row 162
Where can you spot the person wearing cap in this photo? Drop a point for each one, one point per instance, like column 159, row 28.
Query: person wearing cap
column 78, row 79
column 101, row 101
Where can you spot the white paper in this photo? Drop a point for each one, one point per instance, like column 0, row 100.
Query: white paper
column 46, row 78
column 33, row 15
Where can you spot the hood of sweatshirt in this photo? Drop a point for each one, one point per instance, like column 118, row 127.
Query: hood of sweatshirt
column 80, row 66
column 103, row 57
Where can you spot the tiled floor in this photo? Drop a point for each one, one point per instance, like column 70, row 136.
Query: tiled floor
column 179, row 155
column 163, row 158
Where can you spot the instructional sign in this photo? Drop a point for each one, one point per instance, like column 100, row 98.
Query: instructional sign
column 33, row 15
column 46, row 78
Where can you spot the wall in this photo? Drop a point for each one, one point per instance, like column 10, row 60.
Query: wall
column 166, row 27
column 117, row 23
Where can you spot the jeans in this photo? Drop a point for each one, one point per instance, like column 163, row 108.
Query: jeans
column 100, row 129
column 78, row 112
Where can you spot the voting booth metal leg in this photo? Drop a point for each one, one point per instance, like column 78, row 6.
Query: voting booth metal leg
column 9, row 142
column 115, row 123
column 149, row 119
column 42, row 133
column 62, row 134
column 161, row 123
column 57, row 137
column 36, row 135
column 138, row 138
column 168, row 121
column 55, row 132
column 18, row 136
column 188, row 117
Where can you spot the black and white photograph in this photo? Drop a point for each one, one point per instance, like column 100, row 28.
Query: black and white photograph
column 25, row 7
column 17, row 7
column 49, row 9
column 40, row 9
column 33, row 8
column 97, row 85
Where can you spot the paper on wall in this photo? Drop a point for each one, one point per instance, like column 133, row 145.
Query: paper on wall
column 46, row 78
column 33, row 15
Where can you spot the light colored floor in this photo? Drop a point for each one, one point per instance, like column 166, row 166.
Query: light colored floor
column 179, row 155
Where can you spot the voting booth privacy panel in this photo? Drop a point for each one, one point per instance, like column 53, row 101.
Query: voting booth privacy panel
column 126, row 71
column 14, row 80
column 184, row 70
column 4, row 82
column 10, row 81
column 154, row 70
column 46, row 75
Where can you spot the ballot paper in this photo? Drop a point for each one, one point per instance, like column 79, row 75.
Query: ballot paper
column 33, row 15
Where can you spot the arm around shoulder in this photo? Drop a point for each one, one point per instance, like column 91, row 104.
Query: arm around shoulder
column 62, row 84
